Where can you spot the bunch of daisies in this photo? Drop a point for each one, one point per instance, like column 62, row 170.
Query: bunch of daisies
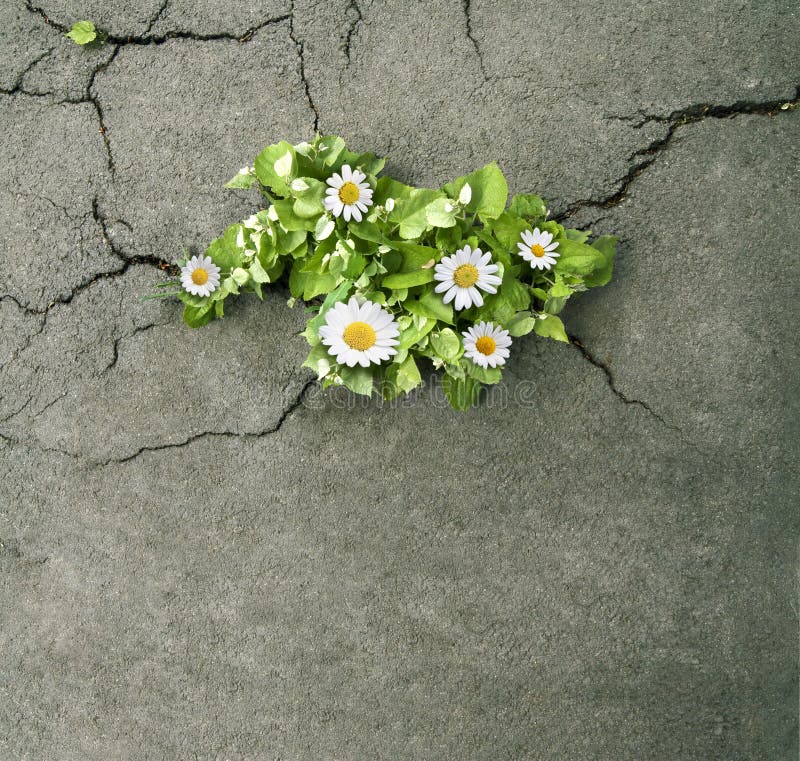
column 396, row 276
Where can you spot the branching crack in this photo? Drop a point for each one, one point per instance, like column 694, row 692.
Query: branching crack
column 18, row 88
column 300, row 47
column 293, row 405
column 676, row 119
column 285, row 414
column 160, row 39
column 353, row 10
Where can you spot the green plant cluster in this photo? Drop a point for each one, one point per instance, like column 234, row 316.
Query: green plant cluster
column 389, row 258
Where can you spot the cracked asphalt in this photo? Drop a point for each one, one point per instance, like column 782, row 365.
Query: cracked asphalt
column 203, row 557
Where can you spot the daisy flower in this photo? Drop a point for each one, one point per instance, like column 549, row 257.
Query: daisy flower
column 461, row 275
column 486, row 344
column 360, row 335
column 348, row 193
column 537, row 247
column 200, row 276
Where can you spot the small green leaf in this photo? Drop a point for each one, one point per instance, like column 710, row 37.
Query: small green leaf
column 82, row 33
column 607, row 246
column 196, row 317
column 245, row 180
column 528, row 205
column 319, row 360
column 520, row 324
column 578, row 258
column 430, row 304
column 446, row 344
column 489, row 191
column 324, row 227
column 462, row 393
column 442, row 212
column 408, row 279
column 551, row 326
column 358, row 379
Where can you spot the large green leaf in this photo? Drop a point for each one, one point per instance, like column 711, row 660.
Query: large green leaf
column 607, row 246
column 265, row 165
column 410, row 213
column 489, row 191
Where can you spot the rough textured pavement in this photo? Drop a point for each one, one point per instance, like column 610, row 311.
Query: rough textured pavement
column 202, row 557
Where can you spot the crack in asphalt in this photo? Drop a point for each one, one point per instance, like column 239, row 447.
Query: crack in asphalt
column 287, row 411
column 18, row 88
column 351, row 29
column 466, row 6
column 589, row 357
column 160, row 39
column 300, row 47
column 679, row 118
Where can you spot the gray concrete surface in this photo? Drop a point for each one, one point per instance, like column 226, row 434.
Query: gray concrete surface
column 203, row 557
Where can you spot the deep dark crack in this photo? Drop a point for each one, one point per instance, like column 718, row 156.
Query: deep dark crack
column 676, row 119
column 288, row 410
column 589, row 357
column 300, row 47
column 467, row 7
column 159, row 39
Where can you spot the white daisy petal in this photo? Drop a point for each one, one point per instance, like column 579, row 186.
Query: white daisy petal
column 359, row 334
column 463, row 275
column 490, row 347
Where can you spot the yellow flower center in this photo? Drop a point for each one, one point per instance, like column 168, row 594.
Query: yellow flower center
column 486, row 345
column 537, row 250
column 466, row 275
column 199, row 276
column 359, row 336
column 348, row 193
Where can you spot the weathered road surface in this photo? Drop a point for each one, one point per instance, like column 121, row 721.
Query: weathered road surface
column 203, row 558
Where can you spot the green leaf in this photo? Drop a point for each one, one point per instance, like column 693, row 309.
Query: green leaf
column 607, row 246
column 224, row 251
column 462, row 393
column 265, row 166
column 489, row 191
column 489, row 375
column 551, row 326
column 243, row 180
column 408, row 279
column 441, row 213
column 324, row 227
column 197, row 316
column 400, row 378
column 319, row 360
column 508, row 229
column 446, row 344
column 528, row 205
column 257, row 272
column 358, row 379
column 430, row 304
column 419, row 328
column 410, row 213
column 82, row 32
column 309, row 201
column 307, row 285
column 578, row 258
column 290, row 219
column 520, row 324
